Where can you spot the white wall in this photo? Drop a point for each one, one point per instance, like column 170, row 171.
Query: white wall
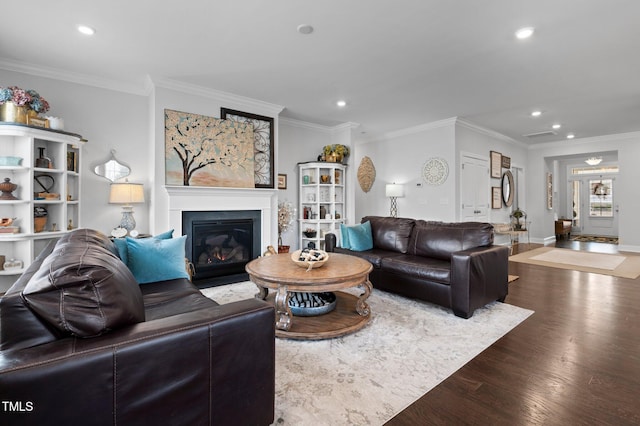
column 399, row 158
column 108, row 119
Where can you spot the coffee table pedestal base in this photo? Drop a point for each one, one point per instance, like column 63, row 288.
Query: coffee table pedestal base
column 344, row 319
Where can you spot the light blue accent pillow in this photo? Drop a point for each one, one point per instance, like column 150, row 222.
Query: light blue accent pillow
column 153, row 259
column 359, row 237
column 121, row 245
column 344, row 237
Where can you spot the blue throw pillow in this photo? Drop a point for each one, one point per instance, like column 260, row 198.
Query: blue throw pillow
column 153, row 259
column 344, row 237
column 359, row 237
column 121, row 245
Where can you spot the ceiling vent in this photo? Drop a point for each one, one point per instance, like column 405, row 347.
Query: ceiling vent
column 539, row 134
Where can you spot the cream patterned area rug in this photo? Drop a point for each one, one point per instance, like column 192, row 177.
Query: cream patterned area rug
column 617, row 265
column 367, row 377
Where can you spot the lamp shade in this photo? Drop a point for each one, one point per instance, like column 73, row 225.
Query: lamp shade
column 126, row 193
column 394, row 190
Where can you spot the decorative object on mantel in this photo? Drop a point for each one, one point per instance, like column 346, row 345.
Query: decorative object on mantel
column 286, row 215
column 7, row 187
column 17, row 105
column 366, row 174
column 207, row 151
column 263, row 141
column 335, row 153
column 435, row 171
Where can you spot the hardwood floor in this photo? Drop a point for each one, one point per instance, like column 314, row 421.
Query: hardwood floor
column 575, row 361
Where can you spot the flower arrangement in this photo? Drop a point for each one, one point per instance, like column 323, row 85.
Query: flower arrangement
column 338, row 149
column 286, row 216
column 21, row 97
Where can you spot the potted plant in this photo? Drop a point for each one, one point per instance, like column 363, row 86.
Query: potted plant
column 335, row 153
column 17, row 103
column 518, row 215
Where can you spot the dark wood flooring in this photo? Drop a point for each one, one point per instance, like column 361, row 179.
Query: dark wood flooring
column 575, row 361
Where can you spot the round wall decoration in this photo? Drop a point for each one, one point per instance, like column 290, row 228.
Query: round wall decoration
column 366, row 174
column 435, row 171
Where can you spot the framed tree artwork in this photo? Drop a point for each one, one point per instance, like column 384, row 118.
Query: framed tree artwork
column 207, row 151
column 263, row 138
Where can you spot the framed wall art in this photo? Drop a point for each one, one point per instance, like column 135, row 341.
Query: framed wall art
column 207, row 151
column 496, row 164
column 496, row 197
column 506, row 162
column 263, row 138
column 282, row 181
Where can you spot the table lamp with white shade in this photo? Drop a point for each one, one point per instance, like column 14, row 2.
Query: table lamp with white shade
column 127, row 193
column 393, row 191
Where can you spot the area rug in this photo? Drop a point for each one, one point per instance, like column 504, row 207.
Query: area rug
column 594, row 239
column 617, row 265
column 367, row 377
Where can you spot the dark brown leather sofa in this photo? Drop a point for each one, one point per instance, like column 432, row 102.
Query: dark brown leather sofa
column 177, row 358
column 454, row 265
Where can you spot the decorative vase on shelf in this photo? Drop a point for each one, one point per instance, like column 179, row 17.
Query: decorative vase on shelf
column 7, row 187
column 12, row 113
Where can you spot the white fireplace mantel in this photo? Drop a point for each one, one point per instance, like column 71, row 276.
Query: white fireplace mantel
column 199, row 198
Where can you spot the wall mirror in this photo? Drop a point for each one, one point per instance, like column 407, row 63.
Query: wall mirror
column 508, row 188
column 112, row 169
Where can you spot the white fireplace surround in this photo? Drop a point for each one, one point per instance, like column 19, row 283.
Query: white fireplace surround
column 198, row 198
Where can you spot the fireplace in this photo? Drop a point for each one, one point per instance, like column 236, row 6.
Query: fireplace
column 221, row 243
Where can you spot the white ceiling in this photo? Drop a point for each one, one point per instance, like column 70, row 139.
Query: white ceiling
column 397, row 63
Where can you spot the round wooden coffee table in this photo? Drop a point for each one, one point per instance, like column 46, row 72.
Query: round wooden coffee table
column 278, row 272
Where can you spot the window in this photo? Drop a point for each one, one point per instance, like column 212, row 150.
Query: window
column 601, row 197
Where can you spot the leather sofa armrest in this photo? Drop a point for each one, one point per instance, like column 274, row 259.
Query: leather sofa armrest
column 478, row 276
column 212, row 365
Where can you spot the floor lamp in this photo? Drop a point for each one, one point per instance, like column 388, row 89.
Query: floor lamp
column 127, row 193
column 393, row 191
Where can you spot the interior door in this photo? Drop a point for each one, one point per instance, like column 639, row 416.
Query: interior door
column 474, row 189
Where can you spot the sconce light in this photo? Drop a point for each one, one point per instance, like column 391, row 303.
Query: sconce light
column 393, row 191
column 127, row 193
column 593, row 161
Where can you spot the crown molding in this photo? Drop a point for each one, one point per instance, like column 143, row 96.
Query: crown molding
column 71, row 77
column 589, row 140
column 225, row 97
column 488, row 132
column 318, row 127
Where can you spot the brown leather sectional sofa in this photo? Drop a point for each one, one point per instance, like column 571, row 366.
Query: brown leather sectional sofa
column 158, row 353
column 454, row 265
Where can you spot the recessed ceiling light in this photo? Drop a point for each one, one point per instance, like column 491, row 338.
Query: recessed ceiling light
column 593, row 161
column 523, row 33
column 571, row 136
column 305, row 29
column 341, row 103
column 86, row 30
column 536, row 113
column 556, row 126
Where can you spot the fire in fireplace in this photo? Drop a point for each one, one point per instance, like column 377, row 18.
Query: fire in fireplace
column 221, row 243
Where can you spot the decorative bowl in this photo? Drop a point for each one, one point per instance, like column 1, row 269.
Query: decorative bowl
column 310, row 234
column 321, row 256
column 10, row 161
